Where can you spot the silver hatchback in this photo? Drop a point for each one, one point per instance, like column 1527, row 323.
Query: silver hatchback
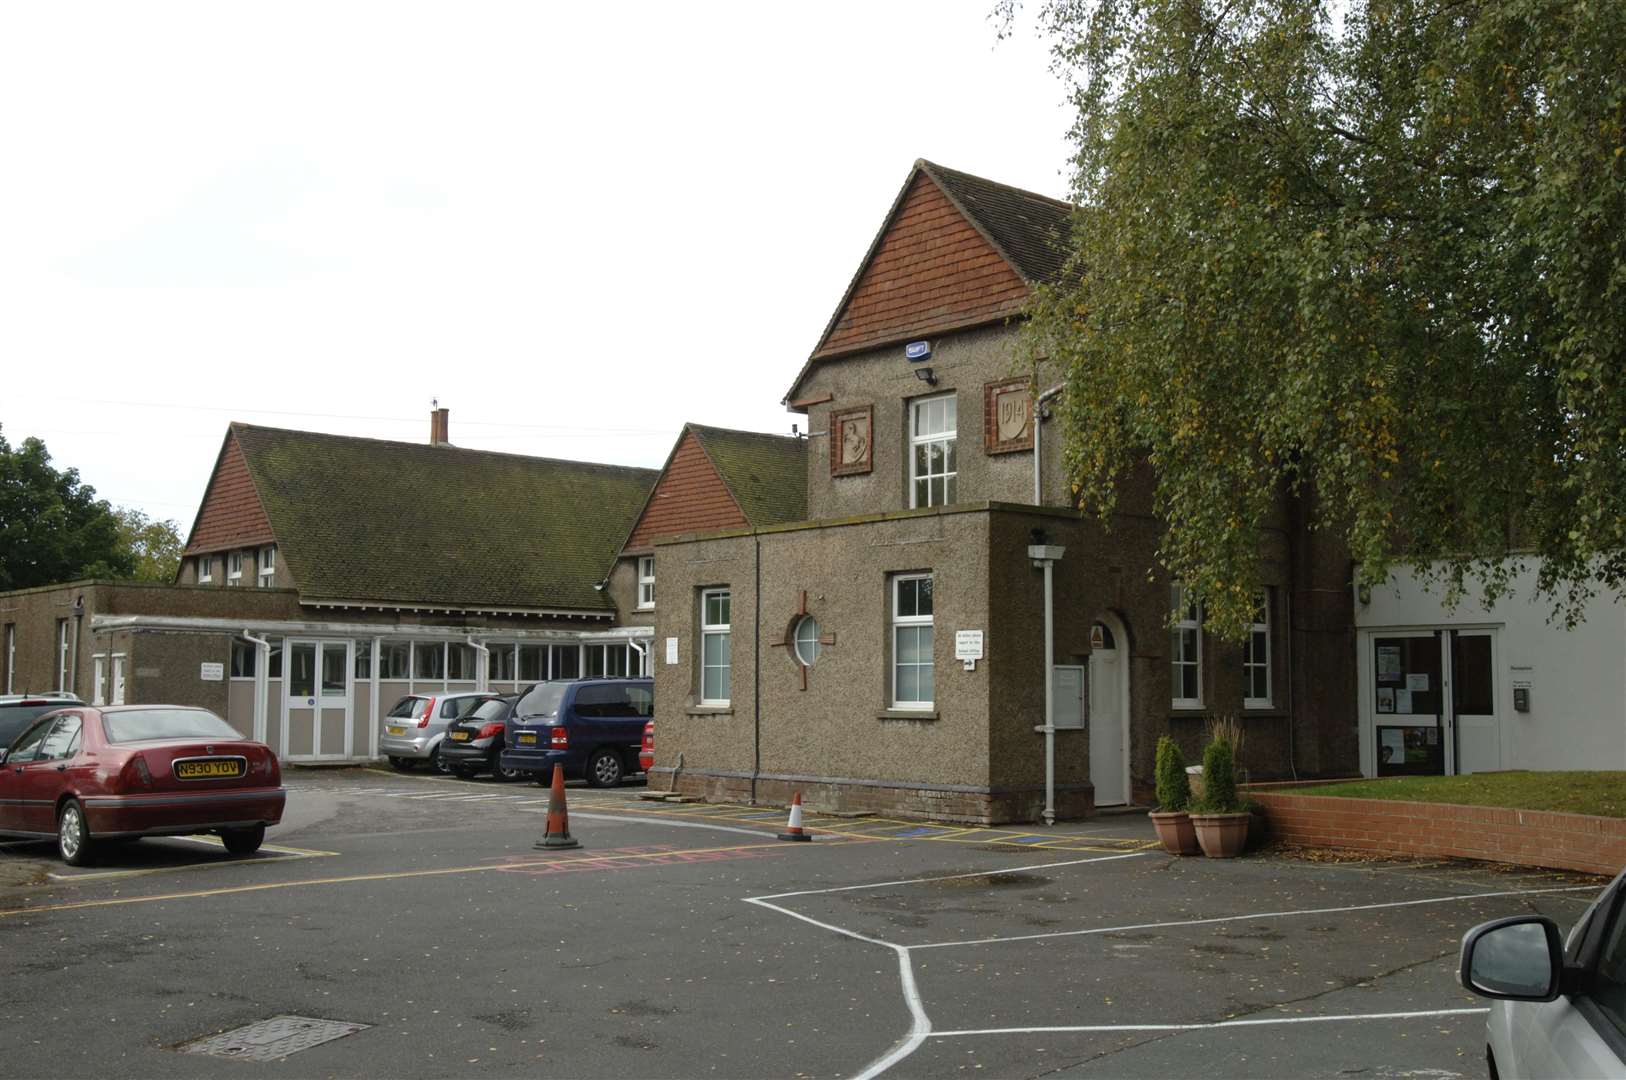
column 415, row 727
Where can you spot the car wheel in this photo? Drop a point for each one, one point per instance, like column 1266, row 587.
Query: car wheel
column 508, row 776
column 401, row 764
column 73, row 835
column 437, row 764
column 604, row 769
column 243, row 841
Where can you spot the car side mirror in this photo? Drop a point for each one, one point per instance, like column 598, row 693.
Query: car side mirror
column 1515, row 959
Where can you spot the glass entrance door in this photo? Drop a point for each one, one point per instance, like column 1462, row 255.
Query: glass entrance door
column 1407, row 704
column 317, row 700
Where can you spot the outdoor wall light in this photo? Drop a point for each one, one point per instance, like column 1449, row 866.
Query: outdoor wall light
column 924, row 374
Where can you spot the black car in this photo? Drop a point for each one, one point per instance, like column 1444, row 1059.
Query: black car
column 17, row 712
column 474, row 742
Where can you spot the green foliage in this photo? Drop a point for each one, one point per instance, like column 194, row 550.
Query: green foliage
column 1369, row 251
column 154, row 546
column 1219, row 780
column 52, row 527
column 1173, row 787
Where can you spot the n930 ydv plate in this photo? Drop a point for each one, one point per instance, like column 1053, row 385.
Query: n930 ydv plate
column 213, row 768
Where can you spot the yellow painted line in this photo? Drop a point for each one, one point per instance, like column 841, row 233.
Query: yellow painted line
column 393, row 876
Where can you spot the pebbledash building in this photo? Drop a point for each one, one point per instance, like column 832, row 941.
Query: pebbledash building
column 858, row 613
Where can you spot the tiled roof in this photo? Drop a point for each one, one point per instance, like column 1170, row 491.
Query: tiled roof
column 1028, row 228
column 374, row 521
column 767, row 474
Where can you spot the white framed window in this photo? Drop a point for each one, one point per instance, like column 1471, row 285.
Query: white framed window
column 64, row 652
column 1186, row 649
column 913, row 682
column 99, row 663
column 11, row 656
column 206, row 569
column 716, row 646
column 1256, row 656
column 646, row 581
column 234, row 567
column 805, row 639
column 268, row 565
column 932, row 458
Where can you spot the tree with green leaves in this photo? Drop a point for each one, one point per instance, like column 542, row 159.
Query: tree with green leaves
column 155, row 546
column 1369, row 250
column 53, row 528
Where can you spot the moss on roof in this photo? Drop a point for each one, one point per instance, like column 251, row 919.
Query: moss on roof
column 376, row 521
column 767, row 474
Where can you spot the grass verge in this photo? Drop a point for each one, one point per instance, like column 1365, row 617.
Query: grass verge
column 1600, row 793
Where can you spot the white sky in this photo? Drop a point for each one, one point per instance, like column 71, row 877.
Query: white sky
column 578, row 226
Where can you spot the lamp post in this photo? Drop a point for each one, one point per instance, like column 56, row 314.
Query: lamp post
column 1045, row 556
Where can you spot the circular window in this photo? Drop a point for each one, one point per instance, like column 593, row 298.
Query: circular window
column 807, row 640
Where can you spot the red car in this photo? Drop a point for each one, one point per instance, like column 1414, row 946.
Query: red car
column 84, row 774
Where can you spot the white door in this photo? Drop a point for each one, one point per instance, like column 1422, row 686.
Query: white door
column 1472, row 679
column 317, row 700
column 1109, row 718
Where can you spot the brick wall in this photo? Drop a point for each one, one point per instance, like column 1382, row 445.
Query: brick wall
column 1527, row 837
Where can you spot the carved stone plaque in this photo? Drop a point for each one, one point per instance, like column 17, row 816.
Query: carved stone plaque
column 1008, row 416
column 852, row 439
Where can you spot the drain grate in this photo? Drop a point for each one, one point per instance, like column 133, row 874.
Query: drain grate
column 273, row 1039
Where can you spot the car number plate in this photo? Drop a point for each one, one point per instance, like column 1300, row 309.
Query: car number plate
column 210, row 769
column 526, row 738
column 460, row 736
column 391, row 729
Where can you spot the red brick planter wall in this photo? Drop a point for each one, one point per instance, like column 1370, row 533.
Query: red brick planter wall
column 1594, row 845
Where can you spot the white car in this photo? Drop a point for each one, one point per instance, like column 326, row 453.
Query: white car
column 1560, row 1008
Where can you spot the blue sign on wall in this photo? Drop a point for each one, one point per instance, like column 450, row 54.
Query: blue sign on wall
column 918, row 350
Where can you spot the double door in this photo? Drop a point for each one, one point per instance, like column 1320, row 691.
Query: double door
column 1431, row 708
column 317, row 697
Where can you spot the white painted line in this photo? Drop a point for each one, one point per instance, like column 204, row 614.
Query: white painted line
column 921, row 1026
column 1114, row 1028
column 436, row 795
column 948, row 877
column 1255, row 916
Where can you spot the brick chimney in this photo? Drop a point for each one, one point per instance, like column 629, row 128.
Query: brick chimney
column 440, row 423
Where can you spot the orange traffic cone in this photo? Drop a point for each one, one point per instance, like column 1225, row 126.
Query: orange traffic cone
column 556, row 835
column 794, row 831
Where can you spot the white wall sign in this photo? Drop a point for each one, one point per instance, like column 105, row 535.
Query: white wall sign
column 211, row 672
column 671, row 650
column 968, row 645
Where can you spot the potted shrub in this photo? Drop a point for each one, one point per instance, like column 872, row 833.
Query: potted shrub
column 1219, row 819
column 1171, row 820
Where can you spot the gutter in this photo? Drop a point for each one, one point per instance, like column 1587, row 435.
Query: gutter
column 105, row 623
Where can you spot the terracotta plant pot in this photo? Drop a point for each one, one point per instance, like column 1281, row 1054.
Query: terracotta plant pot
column 1175, row 831
column 1222, row 836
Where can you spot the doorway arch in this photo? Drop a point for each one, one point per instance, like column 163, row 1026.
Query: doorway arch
column 1109, row 710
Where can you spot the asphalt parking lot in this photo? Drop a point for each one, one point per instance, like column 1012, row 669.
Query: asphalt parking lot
column 684, row 940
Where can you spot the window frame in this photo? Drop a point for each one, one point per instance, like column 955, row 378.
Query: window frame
column 725, row 631
column 950, row 437
column 266, row 560
column 797, row 640
column 902, row 622
column 1262, row 627
column 1177, row 659
column 206, row 569
column 64, row 671
column 646, row 583
column 234, row 566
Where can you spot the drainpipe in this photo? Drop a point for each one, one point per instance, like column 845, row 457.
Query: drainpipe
column 480, row 671
column 1038, row 438
column 756, row 676
column 643, row 657
column 1046, row 556
column 262, row 660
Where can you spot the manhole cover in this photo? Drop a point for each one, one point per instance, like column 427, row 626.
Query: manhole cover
column 273, row 1039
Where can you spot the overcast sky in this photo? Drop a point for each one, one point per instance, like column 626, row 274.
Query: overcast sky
column 577, row 226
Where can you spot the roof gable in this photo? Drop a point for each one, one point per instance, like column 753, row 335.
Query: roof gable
column 955, row 251
column 370, row 521
column 231, row 514
column 767, row 474
column 690, row 496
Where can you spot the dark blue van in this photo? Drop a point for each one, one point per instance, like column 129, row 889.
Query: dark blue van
column 593, row 727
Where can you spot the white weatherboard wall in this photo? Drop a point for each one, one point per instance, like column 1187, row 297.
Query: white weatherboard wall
column 1577, row 717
